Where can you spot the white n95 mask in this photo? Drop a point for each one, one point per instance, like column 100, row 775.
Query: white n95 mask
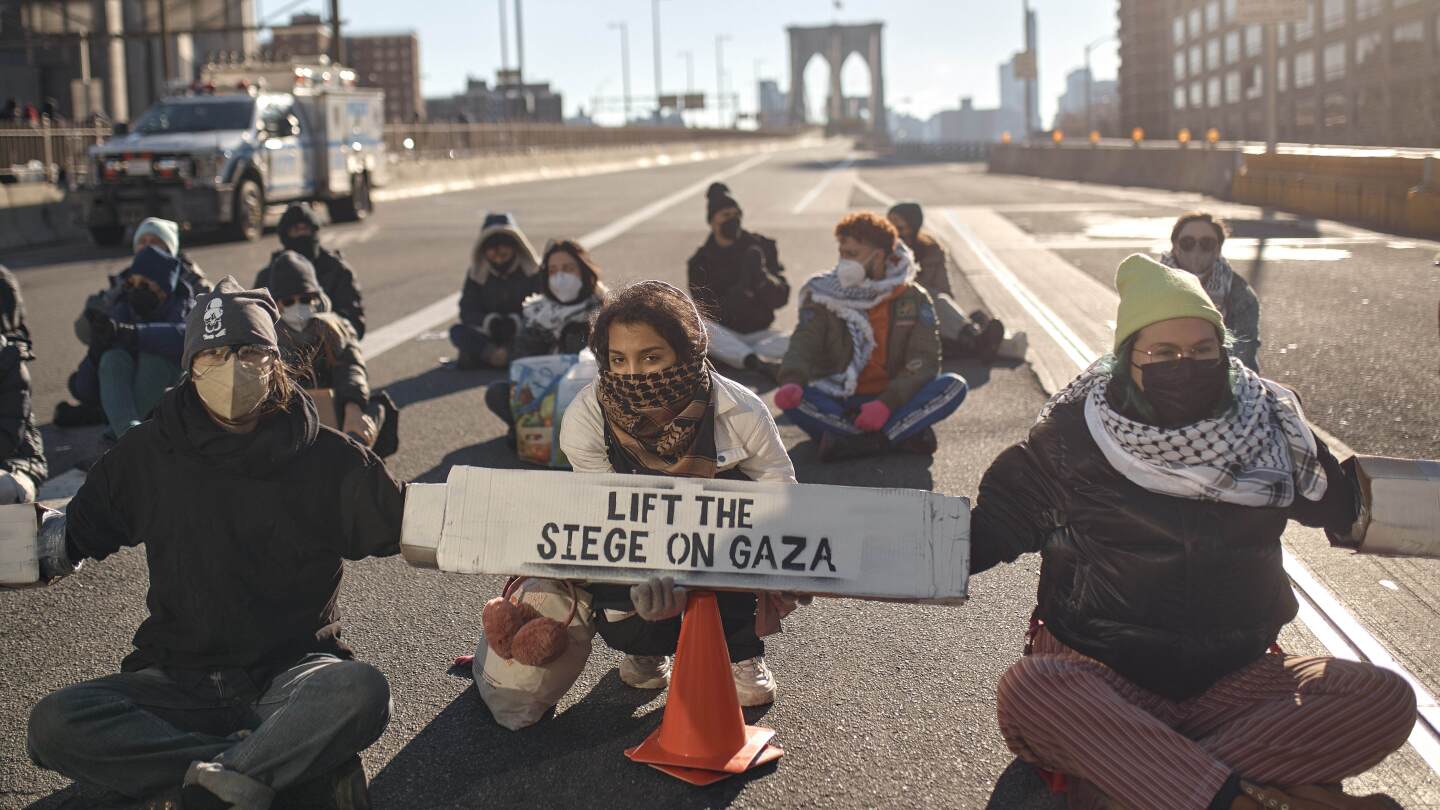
column 298, row 316
column 850, row 273
column 566, row 287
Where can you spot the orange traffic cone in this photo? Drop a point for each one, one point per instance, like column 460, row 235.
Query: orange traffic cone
column 703, row 737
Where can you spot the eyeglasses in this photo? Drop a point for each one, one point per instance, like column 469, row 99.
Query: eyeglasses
column 252, row 358
column 1168, row 354
column 1206, row 243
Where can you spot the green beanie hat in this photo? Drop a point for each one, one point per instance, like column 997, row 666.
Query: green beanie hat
column 1150, row 293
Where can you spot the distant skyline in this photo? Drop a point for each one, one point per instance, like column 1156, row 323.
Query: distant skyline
column 935, row 53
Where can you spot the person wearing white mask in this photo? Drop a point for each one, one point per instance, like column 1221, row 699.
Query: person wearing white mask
column 240, row 692
column 323, row 346
column 862, row 374
column 555, row 320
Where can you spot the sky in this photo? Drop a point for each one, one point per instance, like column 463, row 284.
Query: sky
column 935, row 52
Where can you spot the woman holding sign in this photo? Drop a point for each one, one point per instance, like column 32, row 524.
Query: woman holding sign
column 1156, row 487
column 659, row 408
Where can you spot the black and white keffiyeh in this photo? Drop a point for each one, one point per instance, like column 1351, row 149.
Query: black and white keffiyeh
column 852, row 305
column 1216, row 283
column 541, row 311
column 1260, row 452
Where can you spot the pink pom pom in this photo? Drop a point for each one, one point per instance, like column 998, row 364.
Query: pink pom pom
column 539, row 642
column 501, row 620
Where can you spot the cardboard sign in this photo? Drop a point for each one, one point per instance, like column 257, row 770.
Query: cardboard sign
column 324, row 406
column 19, row 561
column 1402, row 500
column 741, row 535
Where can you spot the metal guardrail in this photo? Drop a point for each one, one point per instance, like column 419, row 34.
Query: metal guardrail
column 442, row 141
column 43, row 152
column 1248, row 147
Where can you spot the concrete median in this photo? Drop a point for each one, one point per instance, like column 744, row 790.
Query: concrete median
column 1195, row 168
column 34, row 214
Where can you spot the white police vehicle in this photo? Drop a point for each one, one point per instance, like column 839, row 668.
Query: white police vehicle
column 246, row 136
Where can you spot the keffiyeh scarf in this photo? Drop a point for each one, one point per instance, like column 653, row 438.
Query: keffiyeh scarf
column 662, row 423
column 543, row 312
column 1260, row 452
column 852, row 305
column 1216, row 283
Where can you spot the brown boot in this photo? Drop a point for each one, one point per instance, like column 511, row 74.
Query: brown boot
column 1306, row 797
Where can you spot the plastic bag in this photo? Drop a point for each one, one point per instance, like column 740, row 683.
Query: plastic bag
column 519, row 695
column 541, row 388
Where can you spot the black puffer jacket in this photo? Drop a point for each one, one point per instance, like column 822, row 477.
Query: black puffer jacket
column 244, row 533
column 740, row 285
column 1172, row 593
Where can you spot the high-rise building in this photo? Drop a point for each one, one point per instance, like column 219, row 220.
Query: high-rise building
column 1144, row 56
column 1352, row 72
column 391, row 62
column 774, row 105
column 1011, row 117
column 1088, row 104
column 511, row 99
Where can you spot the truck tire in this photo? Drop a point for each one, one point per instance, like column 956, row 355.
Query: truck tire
column 355, row 207
column 249, row 215
column 107, row 235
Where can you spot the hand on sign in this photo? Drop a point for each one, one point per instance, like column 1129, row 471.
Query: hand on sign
column 788, row 396
column 873, row 416
column 359, row 425
column 791, row 599
column 657, row 599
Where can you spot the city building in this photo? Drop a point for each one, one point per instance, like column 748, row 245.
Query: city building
column 389, row 61
column 1352, row 72
column 1012, row 99
column 510, row 99
column 1144, row 75
column 774, row 106
column 968, row 124
column 1087, row 105
column 106, row 58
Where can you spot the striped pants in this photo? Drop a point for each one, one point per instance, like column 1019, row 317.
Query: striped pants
column 1283, row 720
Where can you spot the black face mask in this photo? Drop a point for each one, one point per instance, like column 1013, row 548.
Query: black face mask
column 730, row 228
column 307, row 246
column 144, row 301
column 1184, row 391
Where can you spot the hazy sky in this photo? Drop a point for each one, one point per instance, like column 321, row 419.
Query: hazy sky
column 935, row 51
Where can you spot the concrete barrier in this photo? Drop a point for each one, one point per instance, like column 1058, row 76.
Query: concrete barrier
column 33, row 214
column 1396, row 193
column 1195, row 168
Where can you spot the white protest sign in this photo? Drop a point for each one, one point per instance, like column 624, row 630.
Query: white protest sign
column 1402, row 497
column 19, row 560
column 842, row 541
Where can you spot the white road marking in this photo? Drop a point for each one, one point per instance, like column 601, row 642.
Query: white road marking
column 387, row 337
column 1320, row 611
column 880, row 196
column 829, row 177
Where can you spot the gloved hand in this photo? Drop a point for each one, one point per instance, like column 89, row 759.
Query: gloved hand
column 503, row 330
column 873, row 416
column 102, row 330
column 787, row 396
column 791, row 599
column 657, row 599
column 127, row 335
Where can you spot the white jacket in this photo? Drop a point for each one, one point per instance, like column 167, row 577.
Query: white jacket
column 745, row 434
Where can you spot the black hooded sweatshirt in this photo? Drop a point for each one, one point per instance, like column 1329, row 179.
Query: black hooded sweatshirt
column 741, row 285
column 244, row 533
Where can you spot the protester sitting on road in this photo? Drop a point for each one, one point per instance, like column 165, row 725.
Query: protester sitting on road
column 862, row 375
column 239, row 688
column 555, row 320
column 737, row 279
column 1196, row 242
column 503, row 274
column 22, row 452
column 659, row 408
column 1156, row 487
column 323, row 348
column 977, row 336
column 300, row 231
column 163, row 235
column 135, row 347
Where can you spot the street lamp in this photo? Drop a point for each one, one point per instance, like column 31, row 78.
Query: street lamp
column 624, row 62
column 689, row 70
column 1090, row 78
column 720, row 40
column 655, row 32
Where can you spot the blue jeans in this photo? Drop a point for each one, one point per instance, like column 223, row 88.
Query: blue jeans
column 131, row 385
column 137, row 733
column 819, row 413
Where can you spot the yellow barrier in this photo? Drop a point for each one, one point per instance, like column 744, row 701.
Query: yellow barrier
column 1388, row 193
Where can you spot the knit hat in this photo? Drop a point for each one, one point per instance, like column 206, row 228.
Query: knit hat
column 230, row 315
column 296, row 213
column 158, row 266
column 168, row 231
column 1150, row 292
column 292, row 274
column 717, row 199
column 911, row 213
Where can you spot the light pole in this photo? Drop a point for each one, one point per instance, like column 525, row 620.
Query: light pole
column 504, row 38
column 624, row 63
column 720, row 40
column 655, row 30
column 1090, row 80
column 689, row 70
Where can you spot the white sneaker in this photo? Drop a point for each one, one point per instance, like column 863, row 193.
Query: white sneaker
column 646, row 671
column 754, row 682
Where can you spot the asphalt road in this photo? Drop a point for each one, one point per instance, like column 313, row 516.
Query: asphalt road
column 880, row 705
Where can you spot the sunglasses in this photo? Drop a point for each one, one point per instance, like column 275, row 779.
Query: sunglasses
column 291, row 301
column 1206, row 243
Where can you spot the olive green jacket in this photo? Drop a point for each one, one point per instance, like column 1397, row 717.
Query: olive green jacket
column 821, row 346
